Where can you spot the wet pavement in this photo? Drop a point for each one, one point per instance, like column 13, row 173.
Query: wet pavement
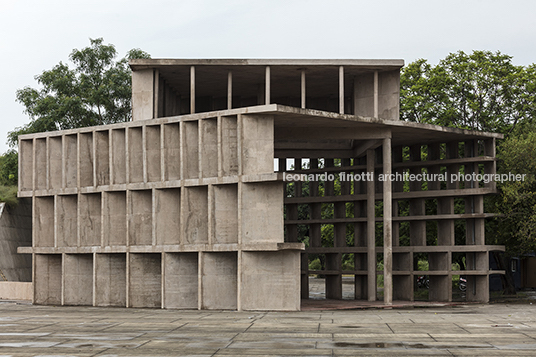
column 467, row 330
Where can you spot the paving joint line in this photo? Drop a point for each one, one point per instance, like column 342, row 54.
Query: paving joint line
column 456, row 324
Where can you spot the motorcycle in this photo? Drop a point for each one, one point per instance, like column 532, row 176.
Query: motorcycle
column 423, row 281
column 462, row 284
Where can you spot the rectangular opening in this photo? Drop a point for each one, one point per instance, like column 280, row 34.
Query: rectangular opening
column 40, row 164
column 270, row 280
column 152, row 142
column 262, row 204
column 86, row 159
column 67, row 221
column 219, row 281
column 257, row 144
column 181, row 280
column 168, row 216
column 55, row 154
column 102, row 153
column 90, row 219
column 110, row 284
column 78, row 280
column 172, row 151
column 70, row 160
column 195, row 215
column 225, row 214
column 119, row 160
column 115, row 221
column 26, row 165
column 43, row 222
column 47, row 283
column 135, row 152
column 191, row 149
column 209, row 148
column 229, row 146
column 145, row 280
column 401, row 262
column 141, row 218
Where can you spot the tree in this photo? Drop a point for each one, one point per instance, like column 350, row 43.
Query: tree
column 96, row 91
column 517, row 202
column 482, row 90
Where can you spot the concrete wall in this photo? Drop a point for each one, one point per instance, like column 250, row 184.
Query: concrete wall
column 387, row 95
column 15, row 290
column 15, row 231
column 157, row 214
column 269, row 280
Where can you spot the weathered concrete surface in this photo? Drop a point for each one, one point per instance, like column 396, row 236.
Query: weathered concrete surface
column 16, row 290
column 15, row 231
column 471, row 330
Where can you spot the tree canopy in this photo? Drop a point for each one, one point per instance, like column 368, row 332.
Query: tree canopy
column 482, row 90
column 96, row 91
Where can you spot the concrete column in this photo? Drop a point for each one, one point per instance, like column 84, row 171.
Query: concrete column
column 192, row 89
column 341, row 89
column 267, row 88
column 230, row 90
column 371, row 239
column 156, row 93
column 387, row 225
column 376, row 94
column 302, row 89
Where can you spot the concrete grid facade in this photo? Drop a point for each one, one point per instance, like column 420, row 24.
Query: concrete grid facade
column 182, row 207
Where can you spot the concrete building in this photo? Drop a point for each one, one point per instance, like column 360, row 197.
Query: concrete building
column 182, row 207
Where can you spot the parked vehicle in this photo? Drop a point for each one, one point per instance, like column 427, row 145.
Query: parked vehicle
column 423, row 281
column 462, row 284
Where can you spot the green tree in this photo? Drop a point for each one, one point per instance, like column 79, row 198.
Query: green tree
column 517, row 202
column 482, row 90
column 96, row 91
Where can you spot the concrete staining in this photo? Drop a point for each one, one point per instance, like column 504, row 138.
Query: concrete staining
column 182, row 208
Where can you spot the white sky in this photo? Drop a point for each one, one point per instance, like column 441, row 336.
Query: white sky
column 35, row 35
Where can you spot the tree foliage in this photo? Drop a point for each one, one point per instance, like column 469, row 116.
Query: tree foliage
column 482, row 90
column 517, row 202
column 96, row 91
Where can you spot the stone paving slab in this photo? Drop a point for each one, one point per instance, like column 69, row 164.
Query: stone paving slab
column 467, row 330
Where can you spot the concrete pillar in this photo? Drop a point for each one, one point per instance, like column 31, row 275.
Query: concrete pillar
column 371, row 239
column 303, row 93
column 142, row 94
column 230, row 90
column 267, row 86
column 376, row 90
column 341, row 89
column 192, row 89
column 387, row 225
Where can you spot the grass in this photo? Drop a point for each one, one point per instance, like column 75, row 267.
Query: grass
column 8, row 194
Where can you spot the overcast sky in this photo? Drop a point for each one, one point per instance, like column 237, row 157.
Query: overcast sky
column 37, row 34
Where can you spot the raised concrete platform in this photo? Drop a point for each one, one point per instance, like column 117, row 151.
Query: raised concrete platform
column 470, row 330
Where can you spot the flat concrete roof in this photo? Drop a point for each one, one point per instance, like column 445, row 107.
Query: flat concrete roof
column 164, row 62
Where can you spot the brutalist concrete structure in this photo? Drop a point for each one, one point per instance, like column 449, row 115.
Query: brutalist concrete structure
column 186, row 206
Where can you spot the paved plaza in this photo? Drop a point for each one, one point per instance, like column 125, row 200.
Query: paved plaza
column 466, row 330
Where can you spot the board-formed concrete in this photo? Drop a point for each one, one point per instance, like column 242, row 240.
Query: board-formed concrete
column 189, row 206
